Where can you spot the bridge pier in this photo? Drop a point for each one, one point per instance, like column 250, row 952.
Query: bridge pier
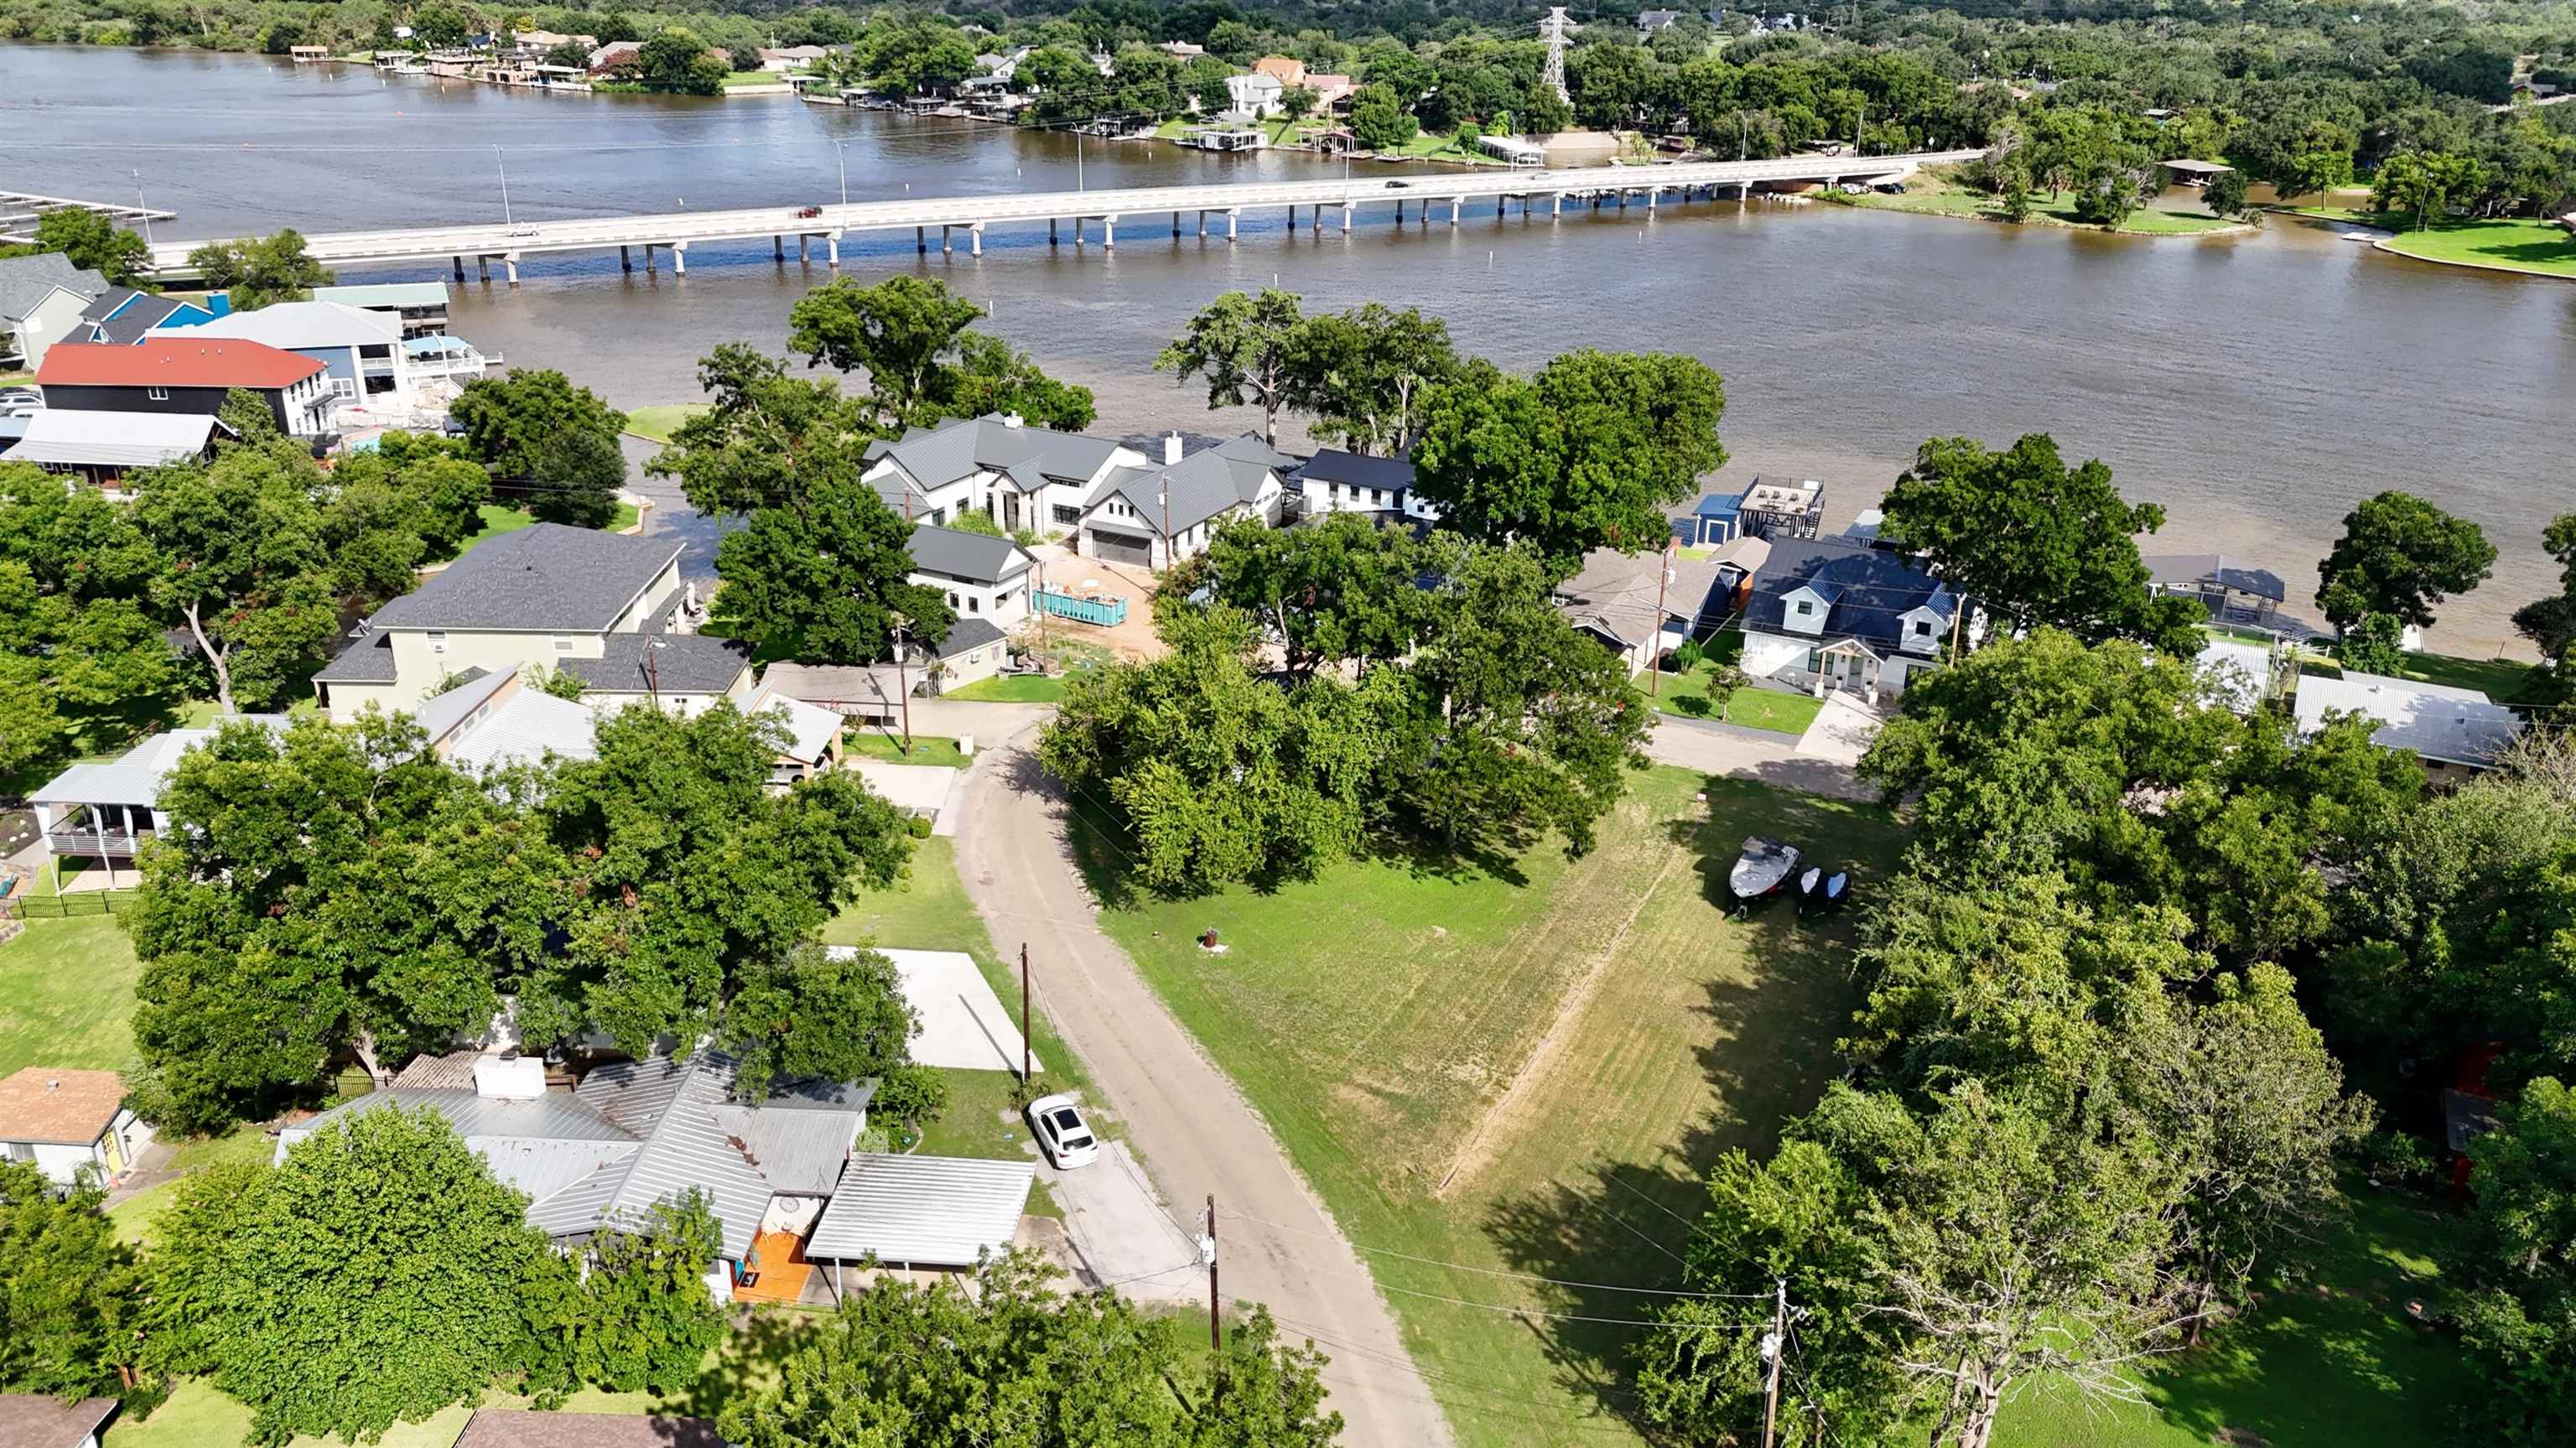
column 460, row 265
column 510, row 262
column 832, row 245
column 1346, row 218
column 1176, row 226
column 1651, row 193
column 650, row 269
column 482, row 268
column 920, row 240
column 778, row 247
column 1399, row 211
column 625, row 263
column 679, row 258
column 804, row 247
column 975, row 239
column 1454, row 204
column 1230, row 218
column 1556, row 205
column 1108, row 232
column 1499, row 202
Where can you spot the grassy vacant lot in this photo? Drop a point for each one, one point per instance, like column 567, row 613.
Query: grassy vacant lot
column 1523, row 1068
column 2522, row 244
column 499, row 518
column 656, row 424
column 869, row 744
column 67, row 995
column 1010, row 689
column 1940, row 195
column 2327, row 1362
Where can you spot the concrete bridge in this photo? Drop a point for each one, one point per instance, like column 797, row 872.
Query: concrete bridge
column 510, row 243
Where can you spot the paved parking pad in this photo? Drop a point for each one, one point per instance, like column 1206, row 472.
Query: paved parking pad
column 1122, row 1235
column 963, row 1024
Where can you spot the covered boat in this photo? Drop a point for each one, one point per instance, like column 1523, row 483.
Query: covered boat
column 1837, row 889
column 1763, row 867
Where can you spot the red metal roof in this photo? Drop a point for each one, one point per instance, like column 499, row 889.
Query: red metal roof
column 173, row 362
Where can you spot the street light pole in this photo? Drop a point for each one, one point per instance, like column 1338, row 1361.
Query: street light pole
column 902, row 689
column 505, row 185
column 140, row 206
column 843, row 157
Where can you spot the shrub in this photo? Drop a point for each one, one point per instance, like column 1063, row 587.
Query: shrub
column 913, row 1093
column 919, row 825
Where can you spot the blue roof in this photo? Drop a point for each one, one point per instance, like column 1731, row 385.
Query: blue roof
column 1719, row 505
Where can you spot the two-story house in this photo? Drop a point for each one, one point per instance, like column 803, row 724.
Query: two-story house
column 361, row 351
column 1025, row 477
column 188, row 374
column 600, row 606
column 124, row 315
column 41, row 301
column 987, row 581
column 1828, row 614
column 1155, row 516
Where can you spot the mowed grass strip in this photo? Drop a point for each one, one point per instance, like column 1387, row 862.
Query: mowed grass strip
column 67, row 995
column 1380, row 1015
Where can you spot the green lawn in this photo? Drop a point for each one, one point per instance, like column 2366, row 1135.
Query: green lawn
column 66, row 995
column 656, row 424
column 1751, row 708
column 1939, row 195
column 1523, row 1068
column 869, row 744
column 2503, row 680
column 2319, row 1364
column 500, row 518
column 2541, row 248
column 740, row 78
column 1011, row 689
column 929, row 911
column 137, row 1218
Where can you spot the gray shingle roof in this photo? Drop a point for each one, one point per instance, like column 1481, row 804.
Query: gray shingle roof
column 1202, row 484
column 1868, row 590
column 2181, row 570
column 682, row 664
column 28, row 280
column 542, row 578
column 967, row 635
column 369, row 659
column 973, row 557
column 1335, row 466
column 1029, row 456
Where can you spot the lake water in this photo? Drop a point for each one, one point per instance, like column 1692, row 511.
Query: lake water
column 2256, row 386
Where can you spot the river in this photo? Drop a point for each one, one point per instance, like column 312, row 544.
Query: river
column 2257, row 386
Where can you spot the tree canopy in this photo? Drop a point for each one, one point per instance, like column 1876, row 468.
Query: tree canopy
column 912, row 337
column 1588, row 453
column 2399, row 555
column 260, row 271
column 89, row 240
column 67, row 1288
column 2032, row 541
column 512, row 421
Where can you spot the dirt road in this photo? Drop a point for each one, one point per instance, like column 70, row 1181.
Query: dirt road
column 1183, row 1116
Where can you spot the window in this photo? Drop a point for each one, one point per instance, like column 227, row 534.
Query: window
column 1921, row 628
column 1377, row 495
column 344, row 387
column 1815, row 661
column 563, row 643
column 974, row 604
column 437, row 641
column 1805, row 608
column 157, row 394
column 1067, row 515
column 952, row 598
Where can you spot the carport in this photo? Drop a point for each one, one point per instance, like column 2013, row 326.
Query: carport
column 920, row 1211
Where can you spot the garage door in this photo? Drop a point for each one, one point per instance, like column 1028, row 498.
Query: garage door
column 1122, row 548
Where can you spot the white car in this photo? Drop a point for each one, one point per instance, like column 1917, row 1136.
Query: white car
column 1062, row 1132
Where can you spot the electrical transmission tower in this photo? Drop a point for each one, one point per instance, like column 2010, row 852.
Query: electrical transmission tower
column 1554, row 29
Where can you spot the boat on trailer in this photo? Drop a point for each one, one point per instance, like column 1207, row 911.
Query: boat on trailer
column 1764, row 866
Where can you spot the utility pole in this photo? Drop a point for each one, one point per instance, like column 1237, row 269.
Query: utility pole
column 1168, row 558
column 1207, row 1249
column 1025, row 1072
column 1663, row 577
column 902, row 690
column 1774, row 1348
column 505, row 185
column 1958, row 612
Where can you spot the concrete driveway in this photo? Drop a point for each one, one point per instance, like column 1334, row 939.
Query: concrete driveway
column 1842, row 730
column 1714, row 748
column 1121, row 1232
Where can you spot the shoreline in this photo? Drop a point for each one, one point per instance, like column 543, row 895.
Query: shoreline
column 2390, row 237
column 2224, row 229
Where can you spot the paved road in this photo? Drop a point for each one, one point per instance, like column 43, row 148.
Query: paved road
column 1183, row 1115
column 1719, row 749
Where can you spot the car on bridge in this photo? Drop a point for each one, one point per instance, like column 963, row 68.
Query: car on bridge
column 808, row 213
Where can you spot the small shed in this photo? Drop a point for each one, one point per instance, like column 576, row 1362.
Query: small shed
column 2187, row 172
column 1714, row 520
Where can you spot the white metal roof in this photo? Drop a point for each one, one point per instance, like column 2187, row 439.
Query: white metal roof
column 2454, row 726
column 289, row 325
column 934, row 1211
column 525, row 728
column 111, row 439
column 134, row 777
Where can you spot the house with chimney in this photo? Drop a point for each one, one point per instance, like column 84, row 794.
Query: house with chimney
column 1022, row 476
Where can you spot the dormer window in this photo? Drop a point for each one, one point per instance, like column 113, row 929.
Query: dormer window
column 1921, row 628
column 1805, row 608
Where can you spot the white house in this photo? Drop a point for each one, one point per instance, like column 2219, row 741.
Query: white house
column 105, row 812
column 360, row 349
column 1025, row 477
column 604, row 607
column 1826, row 614
column 1333, row 481
column 1154, row 516
column 984, row 577
column 70, row 1122
column 2454, row 732
column 1256, row 94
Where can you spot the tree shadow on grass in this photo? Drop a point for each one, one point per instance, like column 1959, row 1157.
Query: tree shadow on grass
column 1763, row 1041
column 748, row 1361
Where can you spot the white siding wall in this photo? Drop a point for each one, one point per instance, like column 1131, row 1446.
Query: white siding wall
column 1003, row 604
column 1766, row 654
column 59, row 1163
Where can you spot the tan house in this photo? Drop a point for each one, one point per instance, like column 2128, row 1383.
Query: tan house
column 604, row 607
column 1287, row 69
column 68, row 1123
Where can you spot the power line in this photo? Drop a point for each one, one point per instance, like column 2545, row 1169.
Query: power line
column 1502, row 1272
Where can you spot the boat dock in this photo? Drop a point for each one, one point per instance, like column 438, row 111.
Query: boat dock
column 21, row 210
